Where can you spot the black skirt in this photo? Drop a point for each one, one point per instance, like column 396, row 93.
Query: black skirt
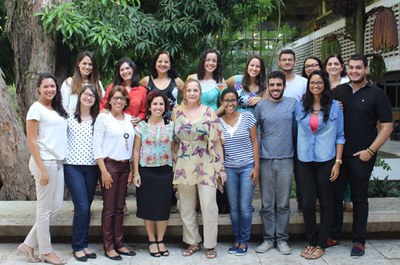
column 153, row 197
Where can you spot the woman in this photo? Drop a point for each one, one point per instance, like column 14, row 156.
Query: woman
column 46, row 128
column 164, row 78
column 112, row 147
column 209, row 74
column 198, row 167
column 320, row 140
column 242, row 163
column 334, row 67
column 152, row 167
column 80, row 169
column 311, row 63
column 86, row 71
column 251, row 85
column 126, row 75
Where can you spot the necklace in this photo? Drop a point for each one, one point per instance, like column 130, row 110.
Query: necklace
column 125, row 135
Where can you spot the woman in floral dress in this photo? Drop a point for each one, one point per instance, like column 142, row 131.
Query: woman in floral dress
column 198, row 168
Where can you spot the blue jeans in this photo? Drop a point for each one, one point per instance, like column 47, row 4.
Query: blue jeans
column 81, row 182
column 240, row 189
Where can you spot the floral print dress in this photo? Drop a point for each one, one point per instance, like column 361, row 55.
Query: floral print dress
column 197, row 160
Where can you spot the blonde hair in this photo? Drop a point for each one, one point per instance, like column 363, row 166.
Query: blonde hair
column 184, row 90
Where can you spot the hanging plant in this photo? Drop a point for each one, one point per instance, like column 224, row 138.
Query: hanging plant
column 385, row 35
column 330, row 44
column 377, row 66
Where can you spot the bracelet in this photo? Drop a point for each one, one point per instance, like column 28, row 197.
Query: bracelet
column 339, row 161
column 370, row 152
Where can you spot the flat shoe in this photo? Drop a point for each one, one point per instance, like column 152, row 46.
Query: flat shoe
column 82, row 258
column 91, row 255
column 316, row 254
column 212, row 253
column 129, row 253
column 46, row 259
column 118, row 257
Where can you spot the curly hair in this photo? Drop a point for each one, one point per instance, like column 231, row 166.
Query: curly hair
column 118, row 81
column 56, row 102
column 217, row 74
column 326, row 98
column 172, row 73
column 149, row 99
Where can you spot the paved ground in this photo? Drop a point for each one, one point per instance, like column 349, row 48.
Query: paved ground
column 378, row 252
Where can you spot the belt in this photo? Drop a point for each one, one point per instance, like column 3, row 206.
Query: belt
column 117, row 161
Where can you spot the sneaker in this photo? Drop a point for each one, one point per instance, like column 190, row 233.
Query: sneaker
column 232, row 249
column 284, row 248
column 241, row 251
column 331, row 243
column 357, row 250
column 265, row 246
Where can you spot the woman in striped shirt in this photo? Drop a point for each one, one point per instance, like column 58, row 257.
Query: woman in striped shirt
column 241, row 156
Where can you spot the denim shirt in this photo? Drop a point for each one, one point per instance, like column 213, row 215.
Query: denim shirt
column 321, row 145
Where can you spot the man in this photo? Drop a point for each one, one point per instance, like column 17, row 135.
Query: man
column 363, row 105
column 295, row 84
column 275, row 118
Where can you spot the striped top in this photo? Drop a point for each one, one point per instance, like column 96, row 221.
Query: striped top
column 238, row 149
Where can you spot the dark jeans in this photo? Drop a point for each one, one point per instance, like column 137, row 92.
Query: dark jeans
column 314, row 182
column 112, row 216
column 81, row 182
column 340, row 187
column 359, row 173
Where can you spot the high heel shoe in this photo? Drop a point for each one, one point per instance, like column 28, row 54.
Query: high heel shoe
column 54, row 259
column 154, row 254
column 164, row 253
column 22, row 249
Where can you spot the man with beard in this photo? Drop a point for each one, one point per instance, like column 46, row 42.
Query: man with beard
column 363, row 106
column 295, row 84
column 275, row 118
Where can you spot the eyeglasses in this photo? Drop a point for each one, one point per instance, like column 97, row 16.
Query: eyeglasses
column 225, row 100
column 308, row 66
column 318, row 83
column 89, row 95
column 118, row 98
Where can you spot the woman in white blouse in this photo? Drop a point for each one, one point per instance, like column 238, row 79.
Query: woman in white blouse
column 86, row 72
column 46, row 128
column 80, row 169
column 112, row 146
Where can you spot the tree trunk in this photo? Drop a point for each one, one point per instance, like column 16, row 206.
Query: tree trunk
column 16, row 179
column 34, row 52
column 360, row 26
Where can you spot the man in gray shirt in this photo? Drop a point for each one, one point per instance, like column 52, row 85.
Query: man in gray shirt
column 275, row 118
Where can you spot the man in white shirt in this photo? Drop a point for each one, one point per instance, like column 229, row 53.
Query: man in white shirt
column 295, row 84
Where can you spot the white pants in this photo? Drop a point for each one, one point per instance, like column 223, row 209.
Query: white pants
column 49, row 202
column 209, row 210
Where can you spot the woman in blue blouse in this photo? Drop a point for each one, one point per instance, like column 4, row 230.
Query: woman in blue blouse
column 242, row 163
column 251, row 85
column 320, row 140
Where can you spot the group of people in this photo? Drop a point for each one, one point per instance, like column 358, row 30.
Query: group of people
column 223, row 135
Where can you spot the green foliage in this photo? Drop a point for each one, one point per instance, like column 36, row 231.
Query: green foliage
column 384, row 188
column 380, row 162
column 330, row 44
column 377, row 66
column 12, row 91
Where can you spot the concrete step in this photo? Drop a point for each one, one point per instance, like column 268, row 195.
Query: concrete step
column 17, row 217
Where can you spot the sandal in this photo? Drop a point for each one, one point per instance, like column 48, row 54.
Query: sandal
column 165, row 252
column 308, row 250
column 153, row 254
column 190, row 250
column 211, row 253
column 316, row 254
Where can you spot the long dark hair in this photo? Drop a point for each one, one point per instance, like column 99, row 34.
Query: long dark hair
column 94, row 110
column 94, row 77
column 172, row 73
column 326, row 97
column 260, row 78
column 56, row 102
column 217, row 74
column 118, row 81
